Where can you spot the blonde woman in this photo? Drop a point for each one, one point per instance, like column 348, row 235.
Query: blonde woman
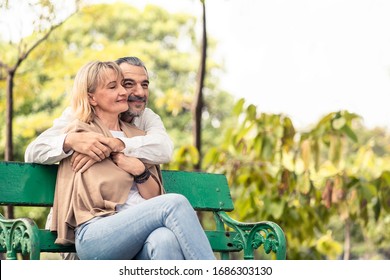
column 117, row 208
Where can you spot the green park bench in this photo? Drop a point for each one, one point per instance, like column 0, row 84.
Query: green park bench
column 32, row 185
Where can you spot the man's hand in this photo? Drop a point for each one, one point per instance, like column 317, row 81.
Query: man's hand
column 92, row 144
column 81, row 162
column 90, row 147
column 115, row 145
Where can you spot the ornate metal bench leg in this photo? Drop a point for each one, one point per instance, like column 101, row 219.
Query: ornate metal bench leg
column 20, row 235
column 253, row 235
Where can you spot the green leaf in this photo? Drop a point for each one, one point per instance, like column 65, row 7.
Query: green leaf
column 385, row 198
column 238, row 107
column 349, row 132
column 276, row 209
column 338, row 123
column 327, row 246
column 377, row 209
column 368, row 191
column 211, row 157
column 304, row 183
column 251, row 112
column 328, row 169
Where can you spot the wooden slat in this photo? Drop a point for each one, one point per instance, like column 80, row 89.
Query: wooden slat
column 47, row 239
column 220, row 242
column 205, row 191
column 33, row 184
column 27, row 184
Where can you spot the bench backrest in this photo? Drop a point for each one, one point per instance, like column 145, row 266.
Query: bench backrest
column 23, row 184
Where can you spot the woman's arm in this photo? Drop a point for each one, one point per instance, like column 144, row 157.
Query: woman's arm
column 148, row 188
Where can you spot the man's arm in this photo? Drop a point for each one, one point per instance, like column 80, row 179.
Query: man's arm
column 156, row 147
column 53, row 145
column 47, row 148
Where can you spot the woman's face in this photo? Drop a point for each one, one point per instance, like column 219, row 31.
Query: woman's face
column 110, row 97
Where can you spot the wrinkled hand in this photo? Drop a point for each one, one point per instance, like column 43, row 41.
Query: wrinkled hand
column 115, row 144
column 81, row 162
column 131, row 165
column 88, row 143
column 92, row 144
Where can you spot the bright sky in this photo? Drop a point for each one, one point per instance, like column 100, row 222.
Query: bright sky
column 303, row 58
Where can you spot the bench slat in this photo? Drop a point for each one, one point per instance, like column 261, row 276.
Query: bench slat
column 28, row 184
column 220, row 242
column 47, row 239
column 204, row 191
column 19, row 183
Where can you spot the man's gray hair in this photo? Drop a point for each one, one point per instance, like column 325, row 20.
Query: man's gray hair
column 132, row 60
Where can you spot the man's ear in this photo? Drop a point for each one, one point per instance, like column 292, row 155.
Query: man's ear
column 91, row 99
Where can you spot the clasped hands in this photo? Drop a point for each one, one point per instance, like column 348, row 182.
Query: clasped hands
column 91, row 147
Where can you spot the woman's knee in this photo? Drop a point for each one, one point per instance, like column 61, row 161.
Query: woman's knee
column 178, row 199
column 163, row 244
column 162, row 237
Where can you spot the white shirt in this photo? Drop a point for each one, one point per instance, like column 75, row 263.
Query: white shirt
column 155, row 147
column 134, row 196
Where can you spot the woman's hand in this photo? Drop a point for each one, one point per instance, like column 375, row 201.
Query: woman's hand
column 131, row 165
column 81, row 162
column 148, row 189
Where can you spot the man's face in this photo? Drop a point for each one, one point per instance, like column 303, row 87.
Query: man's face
column 136, row 83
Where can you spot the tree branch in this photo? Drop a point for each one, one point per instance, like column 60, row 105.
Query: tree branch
column 23, row 56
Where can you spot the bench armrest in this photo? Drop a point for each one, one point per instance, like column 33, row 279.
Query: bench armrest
column 19, row 235
column 253, row 235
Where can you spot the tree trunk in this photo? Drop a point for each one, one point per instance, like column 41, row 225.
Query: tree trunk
column 198, row 101
column 10, row 71
column 9, row 154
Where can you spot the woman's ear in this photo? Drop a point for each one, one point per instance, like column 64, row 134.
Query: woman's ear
column 91, row 99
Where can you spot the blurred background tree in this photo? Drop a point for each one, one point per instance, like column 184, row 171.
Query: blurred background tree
column 17, row 52
column 328, row 186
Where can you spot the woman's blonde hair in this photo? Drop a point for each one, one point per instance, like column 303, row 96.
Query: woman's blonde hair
column 91, row 76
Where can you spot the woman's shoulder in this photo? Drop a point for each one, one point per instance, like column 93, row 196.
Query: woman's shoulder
column 131, row 130
column 77, row 126
column 80, row 126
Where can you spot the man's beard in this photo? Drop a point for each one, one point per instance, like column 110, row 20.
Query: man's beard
column 132, row 113
column 135, row 112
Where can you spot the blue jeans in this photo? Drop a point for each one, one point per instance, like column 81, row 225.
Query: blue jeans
column 164, row 227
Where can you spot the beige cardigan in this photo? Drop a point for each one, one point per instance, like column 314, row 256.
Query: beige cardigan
column 80, row 197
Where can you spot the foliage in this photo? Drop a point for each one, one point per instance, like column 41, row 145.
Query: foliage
column 167, row 47
column 304, row 181
column 312, row 183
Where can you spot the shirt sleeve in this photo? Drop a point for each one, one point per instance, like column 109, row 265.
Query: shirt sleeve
column 156, row 147
column 47, row 148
